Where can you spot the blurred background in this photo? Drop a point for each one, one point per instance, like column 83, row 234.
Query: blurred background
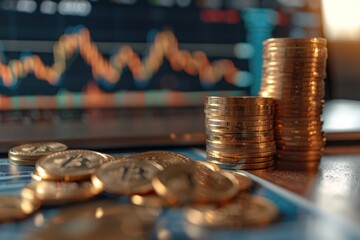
column 89, row 53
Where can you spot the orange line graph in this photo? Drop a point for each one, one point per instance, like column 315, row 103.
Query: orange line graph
column 165, row 46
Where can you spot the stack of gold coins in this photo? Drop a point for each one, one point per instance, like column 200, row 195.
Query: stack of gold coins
column 240, row 132
column 293, row 74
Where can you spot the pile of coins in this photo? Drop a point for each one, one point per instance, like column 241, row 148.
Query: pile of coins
column 151, row 181
column 293, row 74
column 240, row 132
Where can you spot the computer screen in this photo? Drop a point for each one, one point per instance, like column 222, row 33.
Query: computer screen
column 92, row 53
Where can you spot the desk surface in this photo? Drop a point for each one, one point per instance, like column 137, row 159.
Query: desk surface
column 321, row 205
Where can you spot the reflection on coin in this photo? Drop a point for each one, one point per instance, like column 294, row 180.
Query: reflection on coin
column 245, row 211
column 14, row 207
column 162, row 158
column 209, row 165
column 244, row 181
column 151, row 200
column 51, row 193
column 183, row 184
column 70, row 165
column 126, row 177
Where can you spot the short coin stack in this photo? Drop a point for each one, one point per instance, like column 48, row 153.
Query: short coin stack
column 28, row 154
column 293, row 74
column 240, row 132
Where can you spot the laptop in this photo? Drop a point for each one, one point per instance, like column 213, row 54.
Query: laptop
column 126, row 73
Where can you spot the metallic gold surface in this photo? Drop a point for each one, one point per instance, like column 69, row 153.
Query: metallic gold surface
column 126, row 177
column 14, row 207
column 70, row 165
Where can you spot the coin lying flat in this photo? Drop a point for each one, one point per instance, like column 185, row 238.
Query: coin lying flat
column 245, row 211
column 126, row 177
column 184, row 184
column 70, row 165
column 27, row 154
column 14, row 207
column 163, row 158
column 98, row 220
column 54, row 193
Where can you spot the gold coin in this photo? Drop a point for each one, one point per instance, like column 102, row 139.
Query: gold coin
column 229, row 112
column 238, row 160
column 244, row 134
column 243, row 212
column 245, row 144
column 163, row 158
column 239, row 138
column 244, row 181
column 295, row 50
column 238, row 150
column 184, row 184
column 270, row 54
column 22, row 162
column 273, row 74
column 237, row 129
column 35, row 176
column 242, row 146
column 240, row 123
column 151, row 200
column 240, row 108
column 240, row 155
column 96, row 220
column 27, row 154
column 211, row 166
column 70, row 165
column 237, row 100
column 126, row 177
column 240, row 118
column 295, row 41
column 54, row 193
column 244, row 166
column 14, row 207
column 302, row 144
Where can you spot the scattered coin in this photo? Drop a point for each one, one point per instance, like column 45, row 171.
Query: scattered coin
column 126, row 177
column 245, row 211
column 14, row 207
column 185, row 183
column 55, row 193
column 70, row 165
column 28, row 154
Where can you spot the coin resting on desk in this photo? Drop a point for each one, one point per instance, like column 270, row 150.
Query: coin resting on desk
column 126, row 176
column 184, row 184
column 244, row 211
column 162, row 158
column 28, row 154
column 51, row 192
column 70, row 165
column 14, row 207
column 99, row 220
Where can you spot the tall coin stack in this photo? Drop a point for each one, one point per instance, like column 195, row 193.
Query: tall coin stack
column 240, row 132
column 293, row 74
